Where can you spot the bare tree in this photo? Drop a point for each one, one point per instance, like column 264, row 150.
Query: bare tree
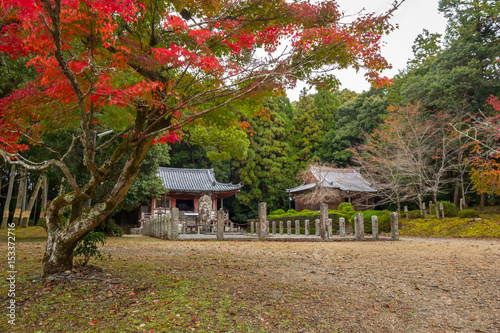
column 410, row 155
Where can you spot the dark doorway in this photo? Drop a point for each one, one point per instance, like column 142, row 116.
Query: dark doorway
column 185, row 205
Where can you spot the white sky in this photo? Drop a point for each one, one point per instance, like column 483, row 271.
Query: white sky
column 412, row 17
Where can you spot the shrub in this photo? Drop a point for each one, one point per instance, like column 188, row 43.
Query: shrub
column 277, row 212
column 468, row 213
column 109, row 228
column 345, row 207
column 87, row 246
column 291, row 211
column 306, row 212
column 414, row 214
column 450, row 210
column 41, row 223
column 384, row 220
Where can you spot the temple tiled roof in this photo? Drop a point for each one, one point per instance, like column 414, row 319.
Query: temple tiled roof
column 194, row 180
column 343, row 179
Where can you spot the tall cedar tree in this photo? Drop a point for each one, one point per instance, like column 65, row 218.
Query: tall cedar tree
column 268, row 170
column 352, row 119
column 306, row 130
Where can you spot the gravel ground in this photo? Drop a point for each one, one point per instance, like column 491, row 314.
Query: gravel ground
column 412, row 285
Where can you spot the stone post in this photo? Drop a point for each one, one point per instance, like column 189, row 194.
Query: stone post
column 342, row 227
column 306, row 227
column 174, row 220
column 316, row 227
column 406, row 212
column 394, row 226
column 430, row 208
column 281, row 227
column 375, row 227
column 231, row 227
column 274, row 227
column 323, row 221
column 462, row 204
column 252, row 227
column 360, row 227
column 425, row 211
column 288, row 227
column 297, row 227
column 330, row 228
column 220, row 224
column 263, row 228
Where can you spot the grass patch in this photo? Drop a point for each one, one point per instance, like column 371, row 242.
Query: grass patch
column 26, row 234
column 487, row 226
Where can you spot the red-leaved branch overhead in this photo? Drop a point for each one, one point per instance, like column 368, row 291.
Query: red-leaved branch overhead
column 179, row 60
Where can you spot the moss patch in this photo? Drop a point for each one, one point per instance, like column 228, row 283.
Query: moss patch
column 487, row 226
column 25, row 234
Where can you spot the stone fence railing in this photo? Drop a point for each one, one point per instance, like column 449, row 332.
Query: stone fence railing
column 323, row 225
column 165, row 227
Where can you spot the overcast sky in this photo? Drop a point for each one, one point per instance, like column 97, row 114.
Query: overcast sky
column 412, row 17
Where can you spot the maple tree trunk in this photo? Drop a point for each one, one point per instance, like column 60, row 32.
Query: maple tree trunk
column 61, row 240
column 58, row 255
column 45, row 192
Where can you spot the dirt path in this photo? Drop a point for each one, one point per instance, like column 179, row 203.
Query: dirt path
column 414, row 285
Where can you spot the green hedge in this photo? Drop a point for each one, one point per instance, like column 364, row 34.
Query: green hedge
column 413, row 214
column 450, row 210
column 468, row 213
column 384, row 220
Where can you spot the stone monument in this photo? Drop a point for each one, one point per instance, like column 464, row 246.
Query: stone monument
column 205, row 209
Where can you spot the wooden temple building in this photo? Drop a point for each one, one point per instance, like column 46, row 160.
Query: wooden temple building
column 333, row 186
column 185, row 187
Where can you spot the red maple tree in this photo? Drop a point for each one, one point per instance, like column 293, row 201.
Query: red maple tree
column 484, row 131
column 163, row 64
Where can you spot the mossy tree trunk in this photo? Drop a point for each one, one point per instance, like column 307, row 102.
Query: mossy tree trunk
column 62, row 240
